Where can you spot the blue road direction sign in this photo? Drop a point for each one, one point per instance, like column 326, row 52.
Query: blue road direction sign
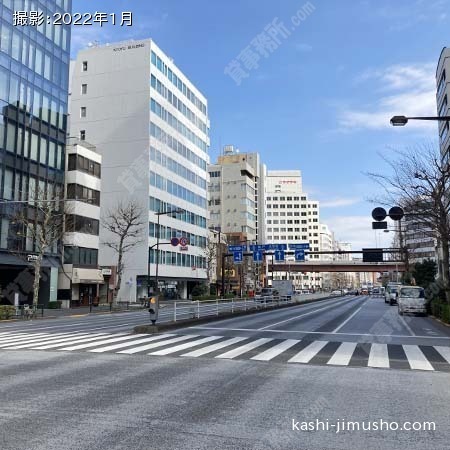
column 237, row 248
column 299, row 246
column 279, row 255
column 274, row 247
column 257, row 256
column 237, row 257
column 299, row 254
column 257, row 248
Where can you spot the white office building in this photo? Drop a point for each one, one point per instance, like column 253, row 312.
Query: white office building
column 292, row 218
column 151, row 126
column 79, row 277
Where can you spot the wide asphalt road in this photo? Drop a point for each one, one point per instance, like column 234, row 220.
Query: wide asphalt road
column 242, row 383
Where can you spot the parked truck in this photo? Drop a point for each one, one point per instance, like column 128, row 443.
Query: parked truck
column 285, row 288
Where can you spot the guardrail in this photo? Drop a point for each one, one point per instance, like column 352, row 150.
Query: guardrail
column 182, row 310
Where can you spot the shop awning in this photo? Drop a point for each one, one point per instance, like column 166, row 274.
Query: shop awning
column 87, row 276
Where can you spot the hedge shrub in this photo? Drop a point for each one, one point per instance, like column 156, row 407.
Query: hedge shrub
column 7, row 311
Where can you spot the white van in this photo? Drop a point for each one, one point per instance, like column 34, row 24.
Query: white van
column 411, row 299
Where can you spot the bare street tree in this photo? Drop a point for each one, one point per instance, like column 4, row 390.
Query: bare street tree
column 40, row 227
column 125, row 223
column 420, row 182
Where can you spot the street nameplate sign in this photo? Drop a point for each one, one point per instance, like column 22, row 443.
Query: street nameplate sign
column 237, row 248
column 299, row 246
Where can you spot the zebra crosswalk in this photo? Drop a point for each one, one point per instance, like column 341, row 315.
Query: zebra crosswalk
column 289, row 351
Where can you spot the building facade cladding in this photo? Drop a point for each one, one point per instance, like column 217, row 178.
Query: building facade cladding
column 443, row 100
column 151, row 126
column 292, row 218
column 81, row 241
column 34, row 71
column 236, row 194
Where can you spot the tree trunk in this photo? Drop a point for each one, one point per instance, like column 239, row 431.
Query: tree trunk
column 445, row 268
column 119, row 274
column 36, row 282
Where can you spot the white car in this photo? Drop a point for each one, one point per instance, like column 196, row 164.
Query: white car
column 336, row 292
column 411, row 299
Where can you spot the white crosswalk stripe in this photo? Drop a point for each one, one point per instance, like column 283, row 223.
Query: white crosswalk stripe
column 101, row 342
column 308, row 353
column 21, row 337
column 378, row 356
column 169, row 344
column 35, row 341
column 142, row 348
column 276, row 350
column 74, row 340
column 177, row 348
column 127, row 344
column 214, row 347
column 343, row 354
column 244, row 348
column 444, row 352
column 417, row 360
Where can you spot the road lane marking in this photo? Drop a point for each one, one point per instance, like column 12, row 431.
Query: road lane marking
column 276, row 350
column 348, row 319
column 444, row 352
column 168, row 351
column 308, row 353
column 130, row 351
column 302, row 315
column 214, row 347
column 406, row 325
column 416, row 359
column 343, row 354
column 104, row 341
column 378, row 356
column 128, row 344
column 243, row 348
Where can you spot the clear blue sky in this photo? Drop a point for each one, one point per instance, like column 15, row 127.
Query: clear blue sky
column 319, row 102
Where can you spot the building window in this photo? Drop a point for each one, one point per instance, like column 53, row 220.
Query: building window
column 83, row 111
column 83, row 89
column 82, row 135
column 84, row 66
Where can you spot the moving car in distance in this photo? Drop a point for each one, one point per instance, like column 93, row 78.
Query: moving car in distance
column 411, row 299
column 390, row 295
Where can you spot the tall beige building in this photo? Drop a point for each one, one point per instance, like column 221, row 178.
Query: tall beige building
column 236, row 195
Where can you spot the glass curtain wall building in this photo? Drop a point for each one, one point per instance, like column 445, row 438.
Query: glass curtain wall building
column 34, row 71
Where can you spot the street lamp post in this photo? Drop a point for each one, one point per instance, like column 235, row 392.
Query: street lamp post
column 401, row 121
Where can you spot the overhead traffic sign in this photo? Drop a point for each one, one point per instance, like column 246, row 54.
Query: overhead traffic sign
column 184, row 241
column 301, row 246
column 237, row 248
column 279, row 255
column 174, row 241
column 257, row 256
column 299, row 254
column 257, row 247
column 274, row 247
column 237, row 257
